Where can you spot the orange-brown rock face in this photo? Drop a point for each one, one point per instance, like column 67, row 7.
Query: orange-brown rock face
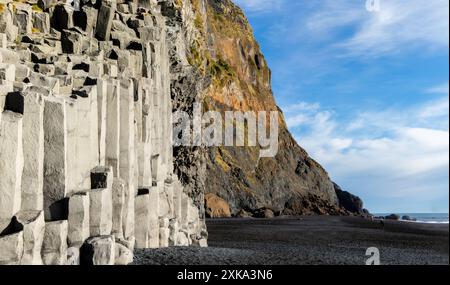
column 242, row 82
column 216, row 207
column 227, row 56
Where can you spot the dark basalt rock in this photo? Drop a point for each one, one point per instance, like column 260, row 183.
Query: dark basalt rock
column 14, row 102
column 264, row 213
column 394, row 217
column 408, row 218
column 349, row 201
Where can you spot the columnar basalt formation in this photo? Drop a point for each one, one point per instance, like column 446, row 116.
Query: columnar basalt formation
column 86, row 156
column 230, row 73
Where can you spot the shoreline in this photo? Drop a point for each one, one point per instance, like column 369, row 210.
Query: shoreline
column 310, row 240
column 429, row 218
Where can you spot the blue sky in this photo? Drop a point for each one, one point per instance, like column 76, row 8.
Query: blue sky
column 365, row 93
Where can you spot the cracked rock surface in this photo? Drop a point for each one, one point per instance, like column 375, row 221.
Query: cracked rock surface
column 85, row 133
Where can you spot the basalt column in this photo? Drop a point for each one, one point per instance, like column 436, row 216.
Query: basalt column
column 86, row 134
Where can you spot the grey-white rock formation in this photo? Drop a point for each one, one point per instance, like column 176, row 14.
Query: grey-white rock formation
column 85, row 134
column 79, row 218
column 12, row 248
column 99, row 250
column 54, row 248
column 33, row 225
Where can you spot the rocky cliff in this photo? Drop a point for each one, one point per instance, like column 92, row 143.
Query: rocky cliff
column 86, row 159
column 235, row 77
column 87, row 88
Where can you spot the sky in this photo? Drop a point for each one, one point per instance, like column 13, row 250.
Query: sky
column 365, row 90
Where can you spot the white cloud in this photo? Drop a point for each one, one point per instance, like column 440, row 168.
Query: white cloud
column 440, row 89
column 258, row 6
column 301, row 107
column 436, row 108
column 400, row 25
column 439, row 107
column 297, row 120
column 300, row 114
column 391, row 154
column 335, row 14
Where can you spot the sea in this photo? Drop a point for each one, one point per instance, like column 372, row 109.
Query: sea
column 432, row 218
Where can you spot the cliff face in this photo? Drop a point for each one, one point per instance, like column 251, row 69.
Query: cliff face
column 86, row 159
column 235, row 76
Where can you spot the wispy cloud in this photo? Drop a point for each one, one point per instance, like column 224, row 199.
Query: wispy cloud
column 399, row 25
column 440, row 89
column 434, row 109
column 259, row 6
column 330, row 15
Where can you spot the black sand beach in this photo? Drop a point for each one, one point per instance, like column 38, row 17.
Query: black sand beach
column 309, row 241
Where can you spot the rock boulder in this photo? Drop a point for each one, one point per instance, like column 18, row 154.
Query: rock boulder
column 216, row 207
